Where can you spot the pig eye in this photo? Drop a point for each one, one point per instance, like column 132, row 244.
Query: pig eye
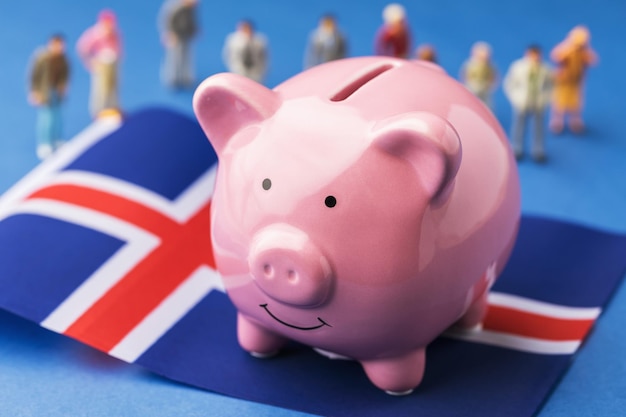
column 330, row 201
column 267, row 184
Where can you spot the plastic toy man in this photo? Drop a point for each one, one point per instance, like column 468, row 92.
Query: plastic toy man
column 245, row 52
column 100, row 49
column 394, row 37
column 426, row 52
column 572, row 57
column 48, row 84
column 326, row 43
column 479, row 74
column 179, row 25
column 528, row 85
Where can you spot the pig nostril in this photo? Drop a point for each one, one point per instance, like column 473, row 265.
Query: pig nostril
column 292, row 276
column 268, row 271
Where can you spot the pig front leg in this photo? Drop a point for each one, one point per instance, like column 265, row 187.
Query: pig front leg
column 473, row 318
column 475, row 314
column 399, row 375
column 257, row 340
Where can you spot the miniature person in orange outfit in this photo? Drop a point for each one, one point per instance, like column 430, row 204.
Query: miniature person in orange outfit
column 572, row 57
column 426, row 52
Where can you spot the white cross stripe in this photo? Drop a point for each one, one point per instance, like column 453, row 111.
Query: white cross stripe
column 174, row 307
column 515, row 342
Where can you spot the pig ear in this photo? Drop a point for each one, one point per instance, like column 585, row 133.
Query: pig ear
column 429, row 143
column 226, row 103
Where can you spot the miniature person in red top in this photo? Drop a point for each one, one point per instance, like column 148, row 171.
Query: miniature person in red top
column 100, row 49
column 572, row 57
column 394, row 36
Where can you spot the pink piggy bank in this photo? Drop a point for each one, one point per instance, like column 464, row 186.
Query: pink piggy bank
column 362, row 207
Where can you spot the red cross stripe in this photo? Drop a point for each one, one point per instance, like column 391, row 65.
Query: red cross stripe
column 183, row 247
column 524, row 323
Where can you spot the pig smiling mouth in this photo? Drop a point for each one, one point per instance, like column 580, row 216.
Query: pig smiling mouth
column 322, row 322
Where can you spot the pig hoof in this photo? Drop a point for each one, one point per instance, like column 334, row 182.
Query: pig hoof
column 264, row 355
column 398, row 375
column 331, row 355
column 475, row 328
column 399, row 393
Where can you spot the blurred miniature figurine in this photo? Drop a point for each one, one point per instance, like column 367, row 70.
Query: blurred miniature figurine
column 426, row 52
column 572, row 57
column 479, row 74
column 326, row 43
column 394, row 37
column 528, row 85
column 179, row 25
column 49, row 76
column 245, row 52
column 100, row 49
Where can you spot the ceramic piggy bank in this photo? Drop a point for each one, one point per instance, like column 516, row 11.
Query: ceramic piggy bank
column 361, row 207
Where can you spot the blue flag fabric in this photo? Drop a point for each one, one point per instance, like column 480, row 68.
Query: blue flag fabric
column 108, row 243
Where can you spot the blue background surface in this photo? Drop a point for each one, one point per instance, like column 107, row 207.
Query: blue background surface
column 584, row 181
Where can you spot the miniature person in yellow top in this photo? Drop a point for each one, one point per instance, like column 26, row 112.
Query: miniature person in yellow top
column 479, row 74
column 572, row 57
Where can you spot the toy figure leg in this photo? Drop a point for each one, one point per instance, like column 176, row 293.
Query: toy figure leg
column 177, row 67
column 517, row 132
column 103, row 88
column 398, row 375
column 185, row 73
column 49, row 126
column 538, row 150
column 556, row 121
column 168, row 67
column 44, row 131
column 56, row 126
column 576, row 124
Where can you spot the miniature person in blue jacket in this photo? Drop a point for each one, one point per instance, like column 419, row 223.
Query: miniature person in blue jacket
column 326, row 43
column 245, row 52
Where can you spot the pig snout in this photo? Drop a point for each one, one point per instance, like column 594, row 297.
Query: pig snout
column 289, row 267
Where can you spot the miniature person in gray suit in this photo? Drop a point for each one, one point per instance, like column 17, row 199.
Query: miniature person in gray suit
column 528, row 85
column 326, row 43
column 179, row 26
column 245, row 52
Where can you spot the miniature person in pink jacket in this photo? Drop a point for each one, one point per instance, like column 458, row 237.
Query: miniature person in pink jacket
column 100, row 49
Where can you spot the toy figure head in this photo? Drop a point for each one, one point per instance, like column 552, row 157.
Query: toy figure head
column 393, row 13
column 56, row 44
column 426, row 53
column 533, row 53
column 481, row 51
column 328, row 23
column 246, row 27
column 394, row 16
column 107, row 21
column 579, row 36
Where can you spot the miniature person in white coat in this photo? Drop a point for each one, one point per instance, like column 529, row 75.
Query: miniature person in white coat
column 245, row 52
column 528, row 85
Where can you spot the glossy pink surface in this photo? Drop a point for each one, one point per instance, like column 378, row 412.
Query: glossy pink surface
column 358, row 209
